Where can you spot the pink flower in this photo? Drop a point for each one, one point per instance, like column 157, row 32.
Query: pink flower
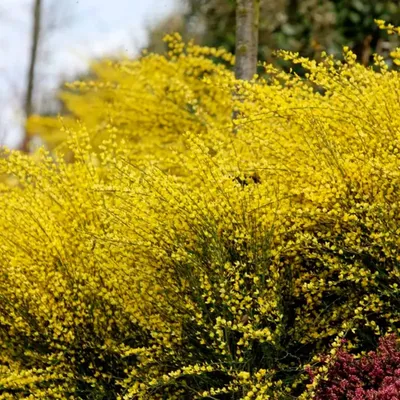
column 373, row 377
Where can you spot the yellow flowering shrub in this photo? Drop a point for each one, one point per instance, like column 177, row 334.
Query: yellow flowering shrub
column 181, row 254
column 151, row 101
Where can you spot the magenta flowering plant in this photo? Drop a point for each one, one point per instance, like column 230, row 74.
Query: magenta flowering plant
column 375, row 376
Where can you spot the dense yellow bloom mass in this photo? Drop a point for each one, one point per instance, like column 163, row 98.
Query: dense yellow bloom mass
column 150, row 102
column 181, row 255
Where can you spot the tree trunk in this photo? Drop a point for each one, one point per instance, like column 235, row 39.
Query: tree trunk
column 247, row 20
column 37, row 8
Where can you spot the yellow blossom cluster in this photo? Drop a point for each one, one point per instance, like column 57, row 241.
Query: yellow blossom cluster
column 151, row 102
column 180, row 253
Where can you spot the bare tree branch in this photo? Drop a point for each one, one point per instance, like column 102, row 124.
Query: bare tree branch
column 37, row 9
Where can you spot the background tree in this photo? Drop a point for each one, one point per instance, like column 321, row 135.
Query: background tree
column 246, row 49
column 306, row 26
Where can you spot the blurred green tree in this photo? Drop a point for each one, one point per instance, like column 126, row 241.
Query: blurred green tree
column 306, row 26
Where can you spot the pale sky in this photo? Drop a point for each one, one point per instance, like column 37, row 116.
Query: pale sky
column 82, row 30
